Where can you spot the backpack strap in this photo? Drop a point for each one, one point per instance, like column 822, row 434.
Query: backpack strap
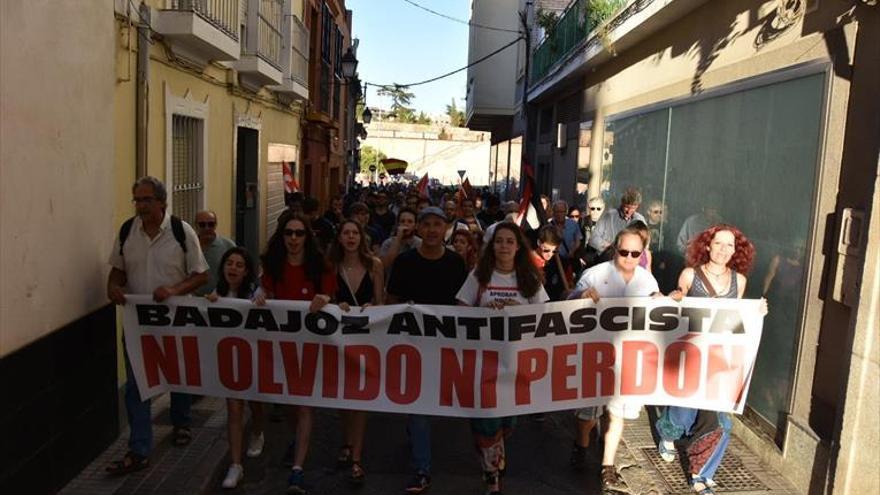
column 698, row 271
column 179, row 233
column 124, row 230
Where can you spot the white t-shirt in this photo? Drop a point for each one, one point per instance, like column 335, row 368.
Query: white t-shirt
column 501, row 286
column 606, row 279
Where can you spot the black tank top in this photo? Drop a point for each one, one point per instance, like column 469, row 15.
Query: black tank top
column 362, row 295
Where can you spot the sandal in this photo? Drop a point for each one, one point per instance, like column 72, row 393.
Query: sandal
column 130, row 463
column 181, row 436
column 358, row 475
column 344, row 460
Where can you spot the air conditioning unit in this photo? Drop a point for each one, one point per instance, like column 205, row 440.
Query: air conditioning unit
column 561, row 137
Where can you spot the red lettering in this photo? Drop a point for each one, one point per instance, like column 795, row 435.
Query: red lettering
column 489, row 380
column 561, row 371
column 598, row 364
column 531, row 365
column 266, row 383
column 632, row 380
column 300, row 376
column 457, row 376
column 237, row 375
column 725, row 378
column 369, row 356
column 394, row 379
column 191, row 360
column 672, row 369
column 330, row 375
column 164, row 358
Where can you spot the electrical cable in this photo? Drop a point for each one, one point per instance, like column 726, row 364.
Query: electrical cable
column 426, row 81
column 460, row 21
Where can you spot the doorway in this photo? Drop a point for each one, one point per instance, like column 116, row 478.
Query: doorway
column 247, row 221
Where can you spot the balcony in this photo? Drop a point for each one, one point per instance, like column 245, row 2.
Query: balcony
column 201, row 30
column 569, row 32
column 260, row 63
column 294, row 60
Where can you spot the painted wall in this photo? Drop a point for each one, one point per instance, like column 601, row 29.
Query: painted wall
column 491, row 84
column 57, row 175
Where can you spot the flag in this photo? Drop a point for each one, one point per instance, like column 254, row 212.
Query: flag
column 290, row 184
column 468, row 190
column 422, row 186
column 531, row 213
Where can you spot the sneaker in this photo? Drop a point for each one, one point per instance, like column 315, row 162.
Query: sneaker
column 419, row 483
column 296, row 482
column 255, row 445
column 611, row 481
column 578, row 458
column 666, row 450
column 233, row 476
column 493, row 483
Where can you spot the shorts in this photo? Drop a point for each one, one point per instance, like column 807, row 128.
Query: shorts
column 616, row 406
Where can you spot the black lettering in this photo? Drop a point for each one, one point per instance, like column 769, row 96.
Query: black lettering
column 727, row 321
column 293, row 323
column 517, row 325
column 261, row 318
column 606, row 320
column 695, row 318
column 496, row 328
column 321, row 323
column 638, row 318
column 189, row 315
column 154, row 315
column 472, row 326
column 551, row 323
column 446, row 326
column 355, row 324
column 224, row 317
column 404, row 323
column 663, row 318
column 582, row 320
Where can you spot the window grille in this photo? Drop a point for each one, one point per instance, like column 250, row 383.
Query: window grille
column 187, row 158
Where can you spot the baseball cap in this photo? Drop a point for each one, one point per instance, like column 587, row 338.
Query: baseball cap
column 431, row 210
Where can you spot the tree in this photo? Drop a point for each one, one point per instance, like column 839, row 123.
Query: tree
column 371, row 156
column 456, row 116
column 401, row 98
column 423, row 119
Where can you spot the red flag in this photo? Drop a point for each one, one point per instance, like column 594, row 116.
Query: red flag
column 290, row 184
column 422, row 186
column 468, row 190
column 530, row 204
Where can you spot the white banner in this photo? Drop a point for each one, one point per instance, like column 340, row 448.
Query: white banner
column 449, row 360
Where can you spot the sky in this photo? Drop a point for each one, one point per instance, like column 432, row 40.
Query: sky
column 400, row 43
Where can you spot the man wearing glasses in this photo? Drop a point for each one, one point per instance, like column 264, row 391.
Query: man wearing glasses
column 213, row 247
column 613, row 221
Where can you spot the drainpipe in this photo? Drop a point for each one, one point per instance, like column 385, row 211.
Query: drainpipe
column 142, row 115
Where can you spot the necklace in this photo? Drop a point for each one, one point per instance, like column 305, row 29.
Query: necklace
column 716, row 275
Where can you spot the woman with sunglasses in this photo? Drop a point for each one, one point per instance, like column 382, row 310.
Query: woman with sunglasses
column 620, row 277
column 717, row 260
column 505, row 275
column 360, row 281
column 294, row 269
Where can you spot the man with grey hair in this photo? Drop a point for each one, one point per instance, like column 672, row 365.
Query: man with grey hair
column 568, row 229
column 155, row 253
column 613, row 221
column 213, row 246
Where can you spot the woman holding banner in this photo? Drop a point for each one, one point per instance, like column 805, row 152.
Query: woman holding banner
column 360, row 281
column 717, row 260
column 294, row 269
column 505, row 275
column 620, row 277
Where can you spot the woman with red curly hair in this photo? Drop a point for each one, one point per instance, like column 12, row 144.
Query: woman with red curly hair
column 718, row 259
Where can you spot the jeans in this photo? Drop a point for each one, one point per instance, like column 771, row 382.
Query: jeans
column 419, row 429
column 140, row 440
column 676, row 422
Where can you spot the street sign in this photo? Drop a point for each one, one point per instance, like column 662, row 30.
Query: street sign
column 461, row 174
column 372, row 168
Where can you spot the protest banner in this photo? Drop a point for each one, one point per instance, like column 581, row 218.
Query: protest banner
column 448, row 360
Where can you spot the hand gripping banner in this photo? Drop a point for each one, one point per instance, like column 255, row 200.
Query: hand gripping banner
column 449, row 360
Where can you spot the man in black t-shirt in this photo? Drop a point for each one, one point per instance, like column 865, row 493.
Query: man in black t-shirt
column 430, row 274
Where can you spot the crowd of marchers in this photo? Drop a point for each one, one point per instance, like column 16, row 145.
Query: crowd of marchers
column 445, row 247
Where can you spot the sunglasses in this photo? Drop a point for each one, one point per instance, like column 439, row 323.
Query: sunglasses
column 294, row 232
column 624, row 253
column 595, row 208
column 207, row 225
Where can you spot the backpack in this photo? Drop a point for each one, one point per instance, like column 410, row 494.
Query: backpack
column 176, row 229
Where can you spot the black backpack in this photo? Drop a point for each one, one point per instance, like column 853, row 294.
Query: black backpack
column 176, row 229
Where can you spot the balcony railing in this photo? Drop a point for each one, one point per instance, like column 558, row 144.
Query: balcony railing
column 223, row 14
column 269, row 31
column 299, row 54
column 570, row 31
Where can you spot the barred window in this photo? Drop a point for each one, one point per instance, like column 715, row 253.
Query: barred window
column 187, row 171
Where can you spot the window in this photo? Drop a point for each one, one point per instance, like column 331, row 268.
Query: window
column 187, row 185
column 326, row 33
column 338, row 62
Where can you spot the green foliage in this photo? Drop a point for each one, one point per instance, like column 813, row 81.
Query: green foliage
column 371, row 156
column 547, row 20
column 401, row 98
column 601, row 10
column 456, row 116
column 423, row 118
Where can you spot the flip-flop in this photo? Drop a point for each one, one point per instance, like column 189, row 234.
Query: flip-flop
column 130, row 463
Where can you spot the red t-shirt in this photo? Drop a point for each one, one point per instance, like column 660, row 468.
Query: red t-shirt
column 295, row 286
